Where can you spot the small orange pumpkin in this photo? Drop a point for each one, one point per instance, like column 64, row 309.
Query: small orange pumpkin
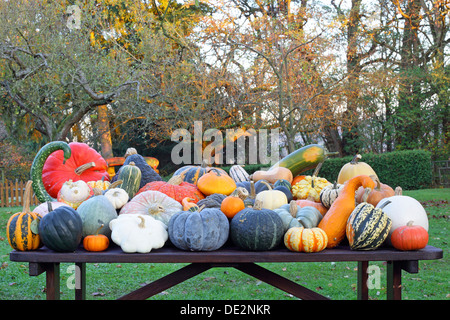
column 409, row 237
column 234, row 203
column 216, row 181
column 96, row 242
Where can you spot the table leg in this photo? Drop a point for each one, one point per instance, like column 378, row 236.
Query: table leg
column 52, row 281
column 394, row 280
column 80, row 281
column 363, row 290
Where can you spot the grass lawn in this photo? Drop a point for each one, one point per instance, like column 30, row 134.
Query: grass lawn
column 335, row 280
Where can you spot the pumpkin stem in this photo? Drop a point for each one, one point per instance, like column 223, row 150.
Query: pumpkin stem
column 410, row 223
column 293, row 208
column 355, row 159
column 97, row 191
column 142, row 223
column 252, row 190
column 49, row 206
column 129, row 152
column 98, row 230
column 84, row 167
column 384, row 204
column 155, row 209
column 115, row 184
column 175, row 180
column 27, row 197
column 398, row 191
column 258, row 205
column 240, row 192
column 268, row 185
column 366, row 194
column 316, row 172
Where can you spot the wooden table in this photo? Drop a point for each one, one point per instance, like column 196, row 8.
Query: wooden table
column 48, row 261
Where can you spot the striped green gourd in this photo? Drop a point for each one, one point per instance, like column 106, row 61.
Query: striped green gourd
column 131, row 176
column 38, row 164
column 238, row 173
column 367, row 227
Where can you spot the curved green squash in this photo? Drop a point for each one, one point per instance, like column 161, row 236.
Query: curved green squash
column 38, row 165
column 131, row 176
column 305, row 158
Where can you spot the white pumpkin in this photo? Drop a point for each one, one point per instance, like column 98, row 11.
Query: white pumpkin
column 271, row 199
column 138, row 233
column 402, row 209
column 117, row 196
column 42, row 209
column 154, row 203
column 74, row 193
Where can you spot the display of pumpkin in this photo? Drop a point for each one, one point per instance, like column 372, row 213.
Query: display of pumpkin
column 260, row 210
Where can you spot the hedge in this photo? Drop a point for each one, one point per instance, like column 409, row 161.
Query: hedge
column 409, row 169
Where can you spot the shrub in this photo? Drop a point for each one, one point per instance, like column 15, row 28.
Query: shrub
column 409, row 169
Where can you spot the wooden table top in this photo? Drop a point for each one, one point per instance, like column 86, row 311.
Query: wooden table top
column 227, row 254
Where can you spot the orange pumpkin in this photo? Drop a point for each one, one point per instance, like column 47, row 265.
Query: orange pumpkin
column 409, row 237
column 234, row 203
column 334, row 222
column 96, row 242
column 216, row 181
column 381, row 191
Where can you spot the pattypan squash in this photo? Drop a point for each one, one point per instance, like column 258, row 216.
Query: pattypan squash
column 138, row 233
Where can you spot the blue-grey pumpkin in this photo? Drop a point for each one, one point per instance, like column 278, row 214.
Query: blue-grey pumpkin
column 256, row 229
column 94, row 212
column 202, row 230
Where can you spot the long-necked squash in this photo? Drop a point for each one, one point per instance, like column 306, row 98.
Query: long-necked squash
column 335, row 220
column 305, row 158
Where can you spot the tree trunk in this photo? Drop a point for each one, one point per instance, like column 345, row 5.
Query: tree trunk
column 105, row 134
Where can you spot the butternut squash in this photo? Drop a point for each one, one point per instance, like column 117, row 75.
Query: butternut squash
column 335, row 220
column 273, row 175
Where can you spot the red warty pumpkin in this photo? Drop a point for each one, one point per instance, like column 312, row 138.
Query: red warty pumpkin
column 84, row 164
column 175, row 188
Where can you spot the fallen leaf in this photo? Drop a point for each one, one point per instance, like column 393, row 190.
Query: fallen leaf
column 98, row 294
column 208, row 279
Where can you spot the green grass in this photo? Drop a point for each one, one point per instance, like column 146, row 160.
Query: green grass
column 335, row 280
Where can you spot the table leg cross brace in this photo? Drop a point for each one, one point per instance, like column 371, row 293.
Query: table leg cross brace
column 194, row 269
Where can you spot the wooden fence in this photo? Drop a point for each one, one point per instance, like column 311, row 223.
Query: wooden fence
column 11, row 194
column 441, row 173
